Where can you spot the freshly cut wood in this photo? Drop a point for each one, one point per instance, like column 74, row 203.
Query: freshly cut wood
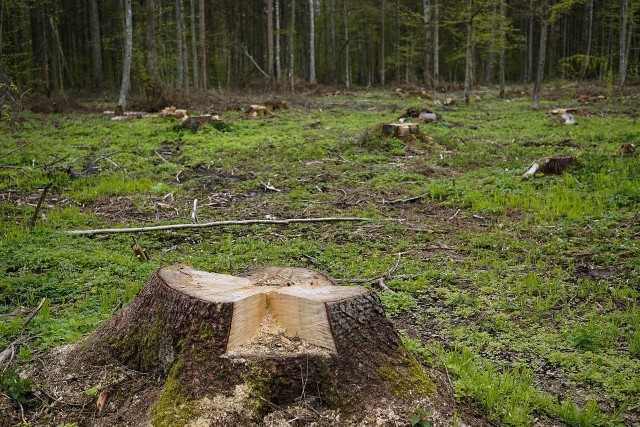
column 551, row 165
column 268, row 339
column 400, row 129
column 258, row 111
column 627, row 150
column 195, row 123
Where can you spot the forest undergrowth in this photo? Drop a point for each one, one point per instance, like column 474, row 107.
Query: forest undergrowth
column 523, row 291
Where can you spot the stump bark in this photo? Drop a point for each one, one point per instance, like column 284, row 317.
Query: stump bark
column 266, row 340
column 400, row 129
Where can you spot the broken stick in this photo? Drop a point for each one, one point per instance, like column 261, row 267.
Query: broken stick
column 214, row 224
column 8, row 352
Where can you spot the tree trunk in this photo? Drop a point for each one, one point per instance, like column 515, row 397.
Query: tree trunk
column 277, row 36
column 152, row 58
column 194, row 46
column 126, row 67
column 503, row 44
column 624, row 18
column 96, row 50
column 426, row 56
column 542, row 53
column 347, row 65
column 587, row 60
column 270, row 47
column 382, row 38
column 468, row 68
column 180, row 73
column 436, row 43
column 312, row 43
column 334, row 53
column 270, row 338
column 1, row 28
column 488, row 74
column 292, row 27
column 529, row 74
column 202, row 44
column 184, row 50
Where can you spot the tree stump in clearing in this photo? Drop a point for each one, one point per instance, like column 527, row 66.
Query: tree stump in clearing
column 266, row 341
column 400, row 129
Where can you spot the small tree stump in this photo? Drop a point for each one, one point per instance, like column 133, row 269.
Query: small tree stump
column 258, row 111
column 263, row 341
column 400, row 129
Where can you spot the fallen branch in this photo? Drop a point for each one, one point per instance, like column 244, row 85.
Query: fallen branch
column 410, row 199
column 24, row 145
column 8, row 352
column 214, row 224
column 34, row 217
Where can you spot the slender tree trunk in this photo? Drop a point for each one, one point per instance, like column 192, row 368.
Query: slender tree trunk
column 382, row 37
column 1, row 27
column 270, row 46
column 277, row 36
column 128, row 45
column 194, row 46
column 468, row 69
column 585, row 65
column 184, row 54
column 529, row 75
column 96, row 50
column 624, row 18
column 292, row 27
column 436, row 43
column 64, row 66
column 503, row 44
column 152, row 58
column 202, row 44
column 542, row 53
column 334, row 57
column 180, row 83
column 426, row 56
column 312, row 43
column 488, row 74
column 347, row 65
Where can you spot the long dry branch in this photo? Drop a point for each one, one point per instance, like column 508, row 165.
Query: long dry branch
column 214, row 224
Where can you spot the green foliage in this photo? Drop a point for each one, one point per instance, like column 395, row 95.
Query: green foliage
column 13, row 385
column 420, row 418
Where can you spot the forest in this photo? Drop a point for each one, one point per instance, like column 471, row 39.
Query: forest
column 76, row 46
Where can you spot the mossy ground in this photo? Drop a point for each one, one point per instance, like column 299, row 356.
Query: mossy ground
column 535, row 281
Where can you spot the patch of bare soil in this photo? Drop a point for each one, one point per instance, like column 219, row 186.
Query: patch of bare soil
column 57, row 103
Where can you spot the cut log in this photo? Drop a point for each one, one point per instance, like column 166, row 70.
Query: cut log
column 551, row 165
column 400, row 129
column 266, row 339
column 195, row 123
column 258, row 111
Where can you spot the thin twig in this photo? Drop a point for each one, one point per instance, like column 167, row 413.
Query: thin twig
column 194, row 215
column 24, row 145
column 10, row 350
column 446, row 371
column 34, row 217
column 99, row 159
column 215, row 224
column 409, row 199
column 454, row 215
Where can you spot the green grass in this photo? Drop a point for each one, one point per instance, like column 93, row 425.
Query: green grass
column 527, row 289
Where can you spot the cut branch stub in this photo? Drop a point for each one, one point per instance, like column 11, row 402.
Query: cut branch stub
column 210, row 332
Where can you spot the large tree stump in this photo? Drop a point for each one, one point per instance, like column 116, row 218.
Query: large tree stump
column 263, row 341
